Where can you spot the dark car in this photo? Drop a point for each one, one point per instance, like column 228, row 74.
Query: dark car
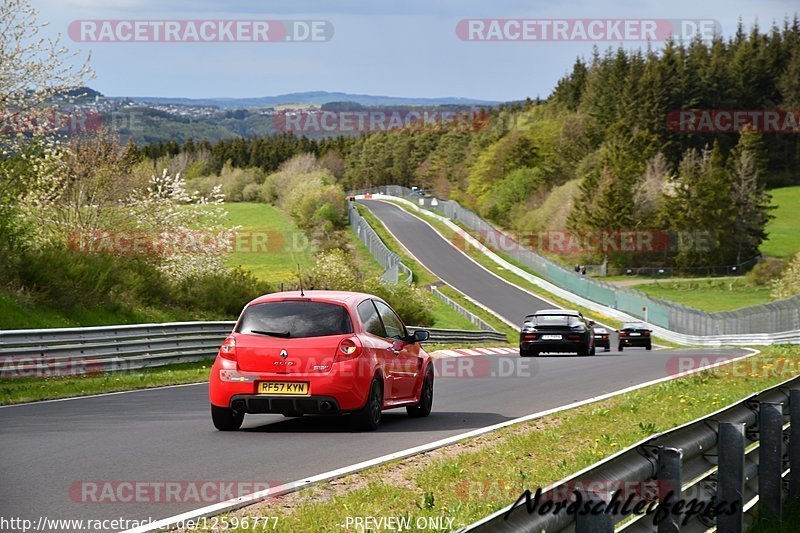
column 635, row 334
column 601, row 338
column 556, row 330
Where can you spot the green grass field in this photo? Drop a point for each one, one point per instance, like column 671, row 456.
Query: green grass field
column 269, row 245
column 708, row 295
column 784, row 229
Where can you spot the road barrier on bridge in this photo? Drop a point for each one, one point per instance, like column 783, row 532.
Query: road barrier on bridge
column 736, row 456
column 760, row 324
column 95, row 350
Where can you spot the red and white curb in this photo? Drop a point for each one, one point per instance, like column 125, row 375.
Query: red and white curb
column 464, row 352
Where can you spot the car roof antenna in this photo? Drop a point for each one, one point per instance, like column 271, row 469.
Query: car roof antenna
column 300, row 278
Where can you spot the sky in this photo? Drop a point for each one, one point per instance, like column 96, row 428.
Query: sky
column 382, row 47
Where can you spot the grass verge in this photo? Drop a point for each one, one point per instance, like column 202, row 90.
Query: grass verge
column 35, row 389
column 469, row 480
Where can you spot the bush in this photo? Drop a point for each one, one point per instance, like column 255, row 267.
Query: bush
column 766, row 271
column 334, row 271
column 220, row 294
column 411, row 303
column 233, row 180
column 67, row 279
column 788, row 284
column 251, row 193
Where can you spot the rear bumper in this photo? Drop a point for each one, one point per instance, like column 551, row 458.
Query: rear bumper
column 602, row 343
column 345, row 386
column 309, row 405
column 553, row 346
column 635, row 341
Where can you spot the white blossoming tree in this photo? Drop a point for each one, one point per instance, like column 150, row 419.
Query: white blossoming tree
column 188, row 236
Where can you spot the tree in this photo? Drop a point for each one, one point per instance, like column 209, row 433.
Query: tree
column 33, row 71
column 747, row 166
column 700, row 212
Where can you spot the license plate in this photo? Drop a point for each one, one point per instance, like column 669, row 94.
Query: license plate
column 551, row 337
column 634, row 334
column 293, row 388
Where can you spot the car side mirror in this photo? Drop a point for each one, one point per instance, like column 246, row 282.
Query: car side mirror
column 421, row 335
column 616, row 331
column 591, row 322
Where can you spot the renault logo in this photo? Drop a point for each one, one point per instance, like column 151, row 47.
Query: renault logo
column 284, row 354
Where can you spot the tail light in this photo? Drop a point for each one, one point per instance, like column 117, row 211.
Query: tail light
column 623, row 334
column 646, row 333
column 348, row 349
column 574, row 337
column 228, row 349
column 605, row 336
column 530, row 336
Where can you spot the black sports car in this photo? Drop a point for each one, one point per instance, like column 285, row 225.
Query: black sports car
column 635, row 334
column 556, row 330
column 602, row 338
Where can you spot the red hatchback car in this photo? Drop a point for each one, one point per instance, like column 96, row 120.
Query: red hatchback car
column 322, row 352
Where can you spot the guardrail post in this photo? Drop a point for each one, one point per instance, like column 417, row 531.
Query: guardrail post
column 730, row 474
column 794, row 445
column 594, row 523
column 770, row 459
column 669, row 477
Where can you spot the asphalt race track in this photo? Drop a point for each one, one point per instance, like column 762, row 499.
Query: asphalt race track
column 166, row 434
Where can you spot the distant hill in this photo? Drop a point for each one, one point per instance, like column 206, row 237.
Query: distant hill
column 311, row 97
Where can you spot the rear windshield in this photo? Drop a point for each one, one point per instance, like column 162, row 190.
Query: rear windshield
column 553, row 320
column 295, row 319
column 633, row 325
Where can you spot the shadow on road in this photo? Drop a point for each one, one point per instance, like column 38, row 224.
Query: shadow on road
column 396, row 421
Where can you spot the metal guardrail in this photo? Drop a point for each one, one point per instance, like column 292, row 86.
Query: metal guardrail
column 81, row 351
column 448, row 336
column 393, row 267
column 781, row 317
column 736, row 455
